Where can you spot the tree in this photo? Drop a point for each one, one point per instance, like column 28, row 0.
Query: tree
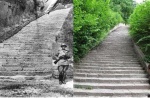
column 124, row 7
column 92, row 21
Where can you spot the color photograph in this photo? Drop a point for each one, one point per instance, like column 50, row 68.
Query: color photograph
column 112, row 48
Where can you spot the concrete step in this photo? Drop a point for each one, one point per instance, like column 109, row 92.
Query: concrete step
column 110, row 80
column 109, row 71
column 111, row 93
column 109, row 68
column 111, row 86
column 103, row 75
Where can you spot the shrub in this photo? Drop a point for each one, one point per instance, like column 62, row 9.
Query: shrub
column 92, row 20
column 140, row 26
column 123, row 7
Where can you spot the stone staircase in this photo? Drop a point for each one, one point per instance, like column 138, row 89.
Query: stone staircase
column 111, row 70
column 29, row 52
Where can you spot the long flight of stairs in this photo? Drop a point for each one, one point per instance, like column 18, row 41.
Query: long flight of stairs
column 29, row 52
column 27, row 55
column 111, row 70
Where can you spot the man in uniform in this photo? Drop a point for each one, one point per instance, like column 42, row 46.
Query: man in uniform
column 62, row 59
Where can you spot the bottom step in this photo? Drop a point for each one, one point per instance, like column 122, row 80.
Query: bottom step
column 111, row 86
column 111, row 92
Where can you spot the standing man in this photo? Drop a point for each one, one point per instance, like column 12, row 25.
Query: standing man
column 62, row 59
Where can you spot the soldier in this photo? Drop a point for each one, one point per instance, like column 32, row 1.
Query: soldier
column 62, row 59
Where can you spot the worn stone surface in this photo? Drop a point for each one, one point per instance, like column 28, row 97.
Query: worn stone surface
column 112, row 69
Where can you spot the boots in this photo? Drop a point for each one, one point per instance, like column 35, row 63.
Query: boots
column 60, row 78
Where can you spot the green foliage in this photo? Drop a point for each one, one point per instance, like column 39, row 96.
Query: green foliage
column 123, row 7
column 147, row 59
column 92, row 20
column 144, row 42
column 140, row 26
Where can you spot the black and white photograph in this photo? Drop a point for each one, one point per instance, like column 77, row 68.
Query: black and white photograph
column 75, row 48
column 36, row 48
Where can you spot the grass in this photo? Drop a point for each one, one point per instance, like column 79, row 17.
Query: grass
column 83, row 87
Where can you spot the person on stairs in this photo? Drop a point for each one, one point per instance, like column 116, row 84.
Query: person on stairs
column 62, row 59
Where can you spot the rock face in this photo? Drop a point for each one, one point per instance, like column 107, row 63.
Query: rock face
column 15, row 14
column 14, row 11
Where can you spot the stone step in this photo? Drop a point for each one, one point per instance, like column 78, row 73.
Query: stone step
column 99, row 54
column 111, row 93
column 109, row 68
column 114, row 53
column 28, row 77
column 110, row 80
column 28, row 68
column 108, row 65
column 113, row 62
column 7, row 83
column 109, row 59
column 112, row 50
column 111, row 86
column 27, row 73
column 109, row 55
column 103, row 75
column 109, row 71
column 17, row 56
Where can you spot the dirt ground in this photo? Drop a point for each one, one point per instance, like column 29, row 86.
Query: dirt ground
column 38, row 88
